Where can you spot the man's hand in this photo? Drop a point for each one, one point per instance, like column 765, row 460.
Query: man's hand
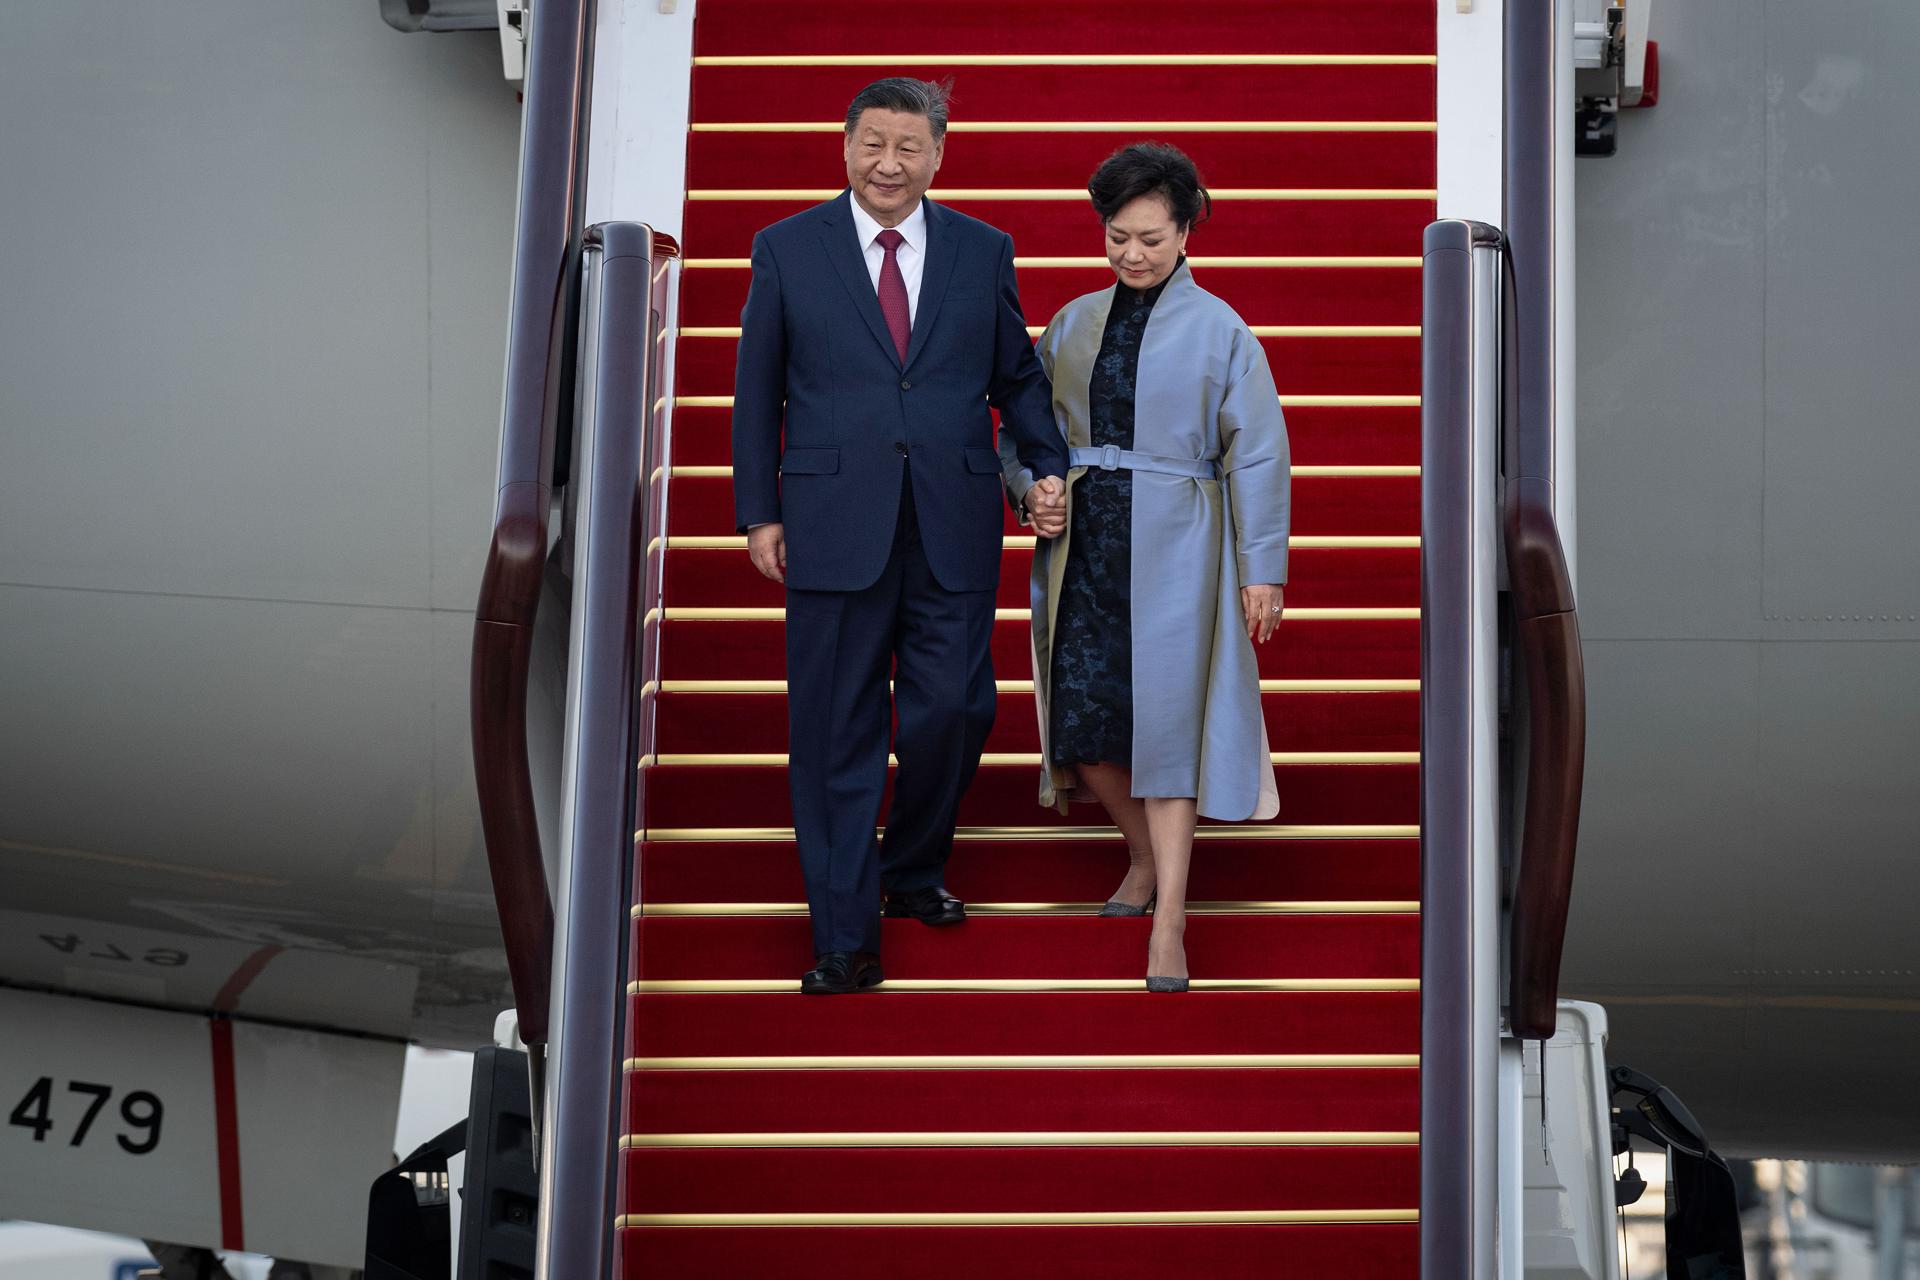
column 767, row 544
column 1263, row 604
column 1047, row 506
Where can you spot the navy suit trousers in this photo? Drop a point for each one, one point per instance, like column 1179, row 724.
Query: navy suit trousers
column 840, row 645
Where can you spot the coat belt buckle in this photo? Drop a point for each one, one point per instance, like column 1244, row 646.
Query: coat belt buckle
column 1109, row 457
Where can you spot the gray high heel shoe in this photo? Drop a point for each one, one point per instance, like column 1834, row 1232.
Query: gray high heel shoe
column 1167, row 986
column 1115, row 907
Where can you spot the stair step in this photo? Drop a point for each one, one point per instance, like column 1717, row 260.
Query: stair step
column 1064, row 1100
column 1201, row 89
column 1263, row 296
column 951, row 1252
column 1055, row 871
column 1301, row 366
column 1303, row 648
column 1340, row 227
column 756, row 796
column 1367, row 506
column 1100, row 1022
column 1052, row 1179
column 1243, row 157
column 1317, row 577
column 1317, row 435
column 670, row 948
column 757, row 722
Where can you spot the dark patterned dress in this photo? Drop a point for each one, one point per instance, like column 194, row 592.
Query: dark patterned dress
column 1091, row 710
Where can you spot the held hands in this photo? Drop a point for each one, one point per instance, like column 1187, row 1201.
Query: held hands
column 1263, row 604
column 767, row 545
column 1047, row 506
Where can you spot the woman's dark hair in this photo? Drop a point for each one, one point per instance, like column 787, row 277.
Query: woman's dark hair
column 902, row 93
column 1150, row 169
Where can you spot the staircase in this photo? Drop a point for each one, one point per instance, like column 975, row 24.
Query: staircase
column 1011, row 1102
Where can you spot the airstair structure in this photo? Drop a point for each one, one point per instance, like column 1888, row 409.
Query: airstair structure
column 1343, row 1091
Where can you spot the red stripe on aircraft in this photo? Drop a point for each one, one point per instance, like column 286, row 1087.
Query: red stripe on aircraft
column 226, row 1123
column 229, row 994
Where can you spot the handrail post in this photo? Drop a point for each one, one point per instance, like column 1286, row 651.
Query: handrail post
column 623, row 316
column 1459, row 752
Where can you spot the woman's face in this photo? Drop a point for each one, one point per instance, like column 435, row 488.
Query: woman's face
column 1143, row 245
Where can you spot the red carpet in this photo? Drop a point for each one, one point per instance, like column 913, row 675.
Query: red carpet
column 1011, row 1103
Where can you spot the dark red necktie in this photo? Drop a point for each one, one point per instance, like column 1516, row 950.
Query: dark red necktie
column 893, row 293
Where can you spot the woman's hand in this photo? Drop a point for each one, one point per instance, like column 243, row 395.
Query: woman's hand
column 1263, row 604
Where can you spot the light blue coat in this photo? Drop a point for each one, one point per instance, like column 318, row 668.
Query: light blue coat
column 1203, row 392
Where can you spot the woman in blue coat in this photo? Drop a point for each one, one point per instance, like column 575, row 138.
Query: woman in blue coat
column 1172, row 565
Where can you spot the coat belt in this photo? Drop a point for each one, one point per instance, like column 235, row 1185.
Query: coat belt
column 1112, row 457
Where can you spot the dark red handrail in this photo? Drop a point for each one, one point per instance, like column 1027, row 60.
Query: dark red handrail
column 1547, row 639
column 1546, row 629
column 546, row 253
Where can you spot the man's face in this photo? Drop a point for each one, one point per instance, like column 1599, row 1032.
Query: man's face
column 891, row 160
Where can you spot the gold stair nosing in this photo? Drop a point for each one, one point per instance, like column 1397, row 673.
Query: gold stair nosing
column 910, row 986
column 1231, row 261
column 1068, row 60
column 1091, row 1218
column 1015, row 759
column 1351, row 907
column 1355, row 471
column 1258, row 331
column 1024, row 542
column 1329, row 685
column 1051, row 195
column 1240, row 831
column 1029, row 1138
column 1286, row 402
column 1035, row 1062
column 1093, row 126
column 778, row 614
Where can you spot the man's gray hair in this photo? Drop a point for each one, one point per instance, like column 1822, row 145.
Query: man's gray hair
column 905, row 94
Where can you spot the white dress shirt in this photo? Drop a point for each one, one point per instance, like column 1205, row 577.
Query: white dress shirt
column 911, row 255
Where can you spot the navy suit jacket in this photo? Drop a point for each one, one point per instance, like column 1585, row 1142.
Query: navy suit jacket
column 816, row 358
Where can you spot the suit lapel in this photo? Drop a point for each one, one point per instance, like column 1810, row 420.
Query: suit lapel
column 844, row 251
column 942, row 249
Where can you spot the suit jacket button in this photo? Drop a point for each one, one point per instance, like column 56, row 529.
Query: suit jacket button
column 905, row 385
column 900, row 447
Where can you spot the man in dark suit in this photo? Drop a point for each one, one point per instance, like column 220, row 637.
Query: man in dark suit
column 879, row 329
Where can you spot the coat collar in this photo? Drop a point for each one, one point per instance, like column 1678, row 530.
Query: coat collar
column 1181, row 280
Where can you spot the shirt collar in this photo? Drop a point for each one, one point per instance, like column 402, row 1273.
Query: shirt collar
column 913, row 230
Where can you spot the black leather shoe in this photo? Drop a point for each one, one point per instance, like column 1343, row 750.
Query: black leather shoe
column 933, row 905
column 841, row 973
